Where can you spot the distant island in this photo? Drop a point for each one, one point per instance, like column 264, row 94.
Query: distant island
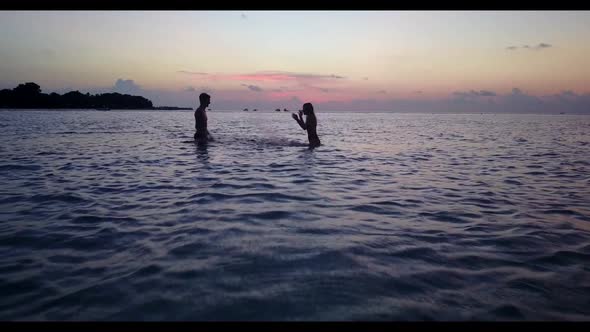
column 29, row 95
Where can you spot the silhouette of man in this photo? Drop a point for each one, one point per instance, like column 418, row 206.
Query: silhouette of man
column 309, row 124
column 202, row 135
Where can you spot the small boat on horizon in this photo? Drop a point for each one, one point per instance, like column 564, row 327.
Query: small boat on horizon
column 102, row 109
column 245, row 110
column 255, row 110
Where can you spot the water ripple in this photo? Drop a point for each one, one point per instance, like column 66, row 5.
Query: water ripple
column 120, row 216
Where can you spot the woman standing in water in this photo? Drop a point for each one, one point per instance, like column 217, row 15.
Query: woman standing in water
column 309, row 124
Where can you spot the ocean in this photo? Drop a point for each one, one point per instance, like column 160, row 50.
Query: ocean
column 119, row 216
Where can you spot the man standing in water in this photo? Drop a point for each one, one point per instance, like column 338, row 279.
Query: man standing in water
column 202, row 134
column 309, row 124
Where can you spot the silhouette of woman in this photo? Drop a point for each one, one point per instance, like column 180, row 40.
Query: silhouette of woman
column 309, row 124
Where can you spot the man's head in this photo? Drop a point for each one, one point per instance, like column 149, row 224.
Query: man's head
column 307, row 108
column 204, row 99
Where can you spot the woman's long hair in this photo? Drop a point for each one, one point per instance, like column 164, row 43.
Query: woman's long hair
column 309, row 108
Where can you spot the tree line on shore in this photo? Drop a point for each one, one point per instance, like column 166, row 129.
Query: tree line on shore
column 29, row 95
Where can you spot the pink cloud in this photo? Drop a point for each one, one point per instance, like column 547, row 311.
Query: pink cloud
column 261, row 77
column 270, row 75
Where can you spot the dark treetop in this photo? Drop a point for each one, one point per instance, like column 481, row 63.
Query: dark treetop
column 29, row 95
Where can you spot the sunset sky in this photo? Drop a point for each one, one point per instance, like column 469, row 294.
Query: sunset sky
column 340, row 60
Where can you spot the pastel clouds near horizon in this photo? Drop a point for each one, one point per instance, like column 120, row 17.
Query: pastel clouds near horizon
column 351, row 61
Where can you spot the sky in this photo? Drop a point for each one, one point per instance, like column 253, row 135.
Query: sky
column 423, row 61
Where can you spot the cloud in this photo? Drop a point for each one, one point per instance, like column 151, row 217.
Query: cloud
column 270, row 75
column 515, row 101
column 543, row 45
column 282, row 76
column 192, row 89
column 253, row 87
column 382, row 91
column 365, row 78
column 474, row 94
column 288, row 81
column 519, row 98
column 130, row 87
column 568, row 93
column 298, row 88
column 296, row 99
column 127, row 87
column 485, row 93
column 539, row 46
column 187, row 72
column 418, row 92
column 321, row 89
column 468, row 101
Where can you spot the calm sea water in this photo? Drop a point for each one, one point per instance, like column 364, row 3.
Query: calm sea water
column 114, row 216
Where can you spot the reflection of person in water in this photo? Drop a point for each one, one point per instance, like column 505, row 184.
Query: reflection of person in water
column 202, row 155
column 202, row 134
column 309, row 124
